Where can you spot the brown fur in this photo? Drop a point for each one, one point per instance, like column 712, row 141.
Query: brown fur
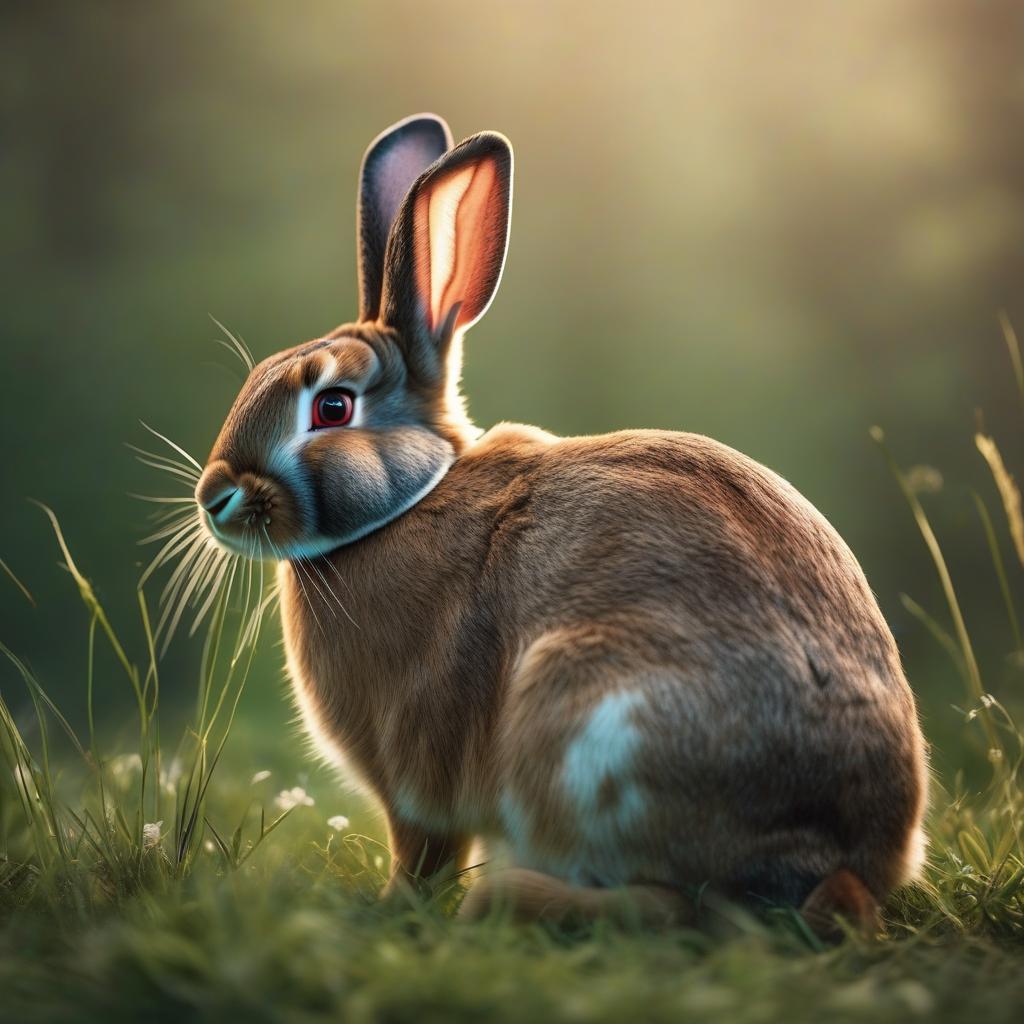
column 540, row 575
column 841, row 896
column 642, row 659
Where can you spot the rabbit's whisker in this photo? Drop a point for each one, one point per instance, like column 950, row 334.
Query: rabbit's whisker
column 177, row 447
column 255, row 623
column 234, row 351
column 302, row 586
column 300, row 575
column 190, row 592
column 182, row 474
column 182, row 536
column 270, row 596
column 226, row 562
column 327, row 561
column 178, row 578
column 245, row 595
column 157, row 517
column 309, row 575
column 201, row 565
column 218, row 571
column 202, row 572
column 237, row 345
column 162, row 500
column 189, row 547
column 331, row 591
column 175, row 524
column 142, row 454
column 335, row 570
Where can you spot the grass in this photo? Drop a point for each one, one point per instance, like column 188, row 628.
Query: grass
column 165, row 882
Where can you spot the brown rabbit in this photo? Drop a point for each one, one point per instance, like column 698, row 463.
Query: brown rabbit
column 642, row 660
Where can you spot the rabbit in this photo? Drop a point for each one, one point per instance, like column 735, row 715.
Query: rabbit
column 641, row 663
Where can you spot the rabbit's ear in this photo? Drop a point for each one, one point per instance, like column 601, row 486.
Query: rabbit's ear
column 447, row 246
column 394, row 160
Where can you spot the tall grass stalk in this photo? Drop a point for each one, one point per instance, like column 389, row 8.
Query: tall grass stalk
column 976, row 876
column 106, row 841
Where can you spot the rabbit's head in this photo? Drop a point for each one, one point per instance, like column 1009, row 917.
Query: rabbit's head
column 336, row 437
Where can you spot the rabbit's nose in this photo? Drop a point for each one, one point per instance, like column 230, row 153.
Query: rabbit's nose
column 221, row 504
column 217, row 491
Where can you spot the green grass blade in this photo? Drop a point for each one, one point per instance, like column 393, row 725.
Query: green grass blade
column 976, row 690
column 1000, row 569
column 938, row 633
column 1013, row 347
column 1009, row 493
column 21, row 586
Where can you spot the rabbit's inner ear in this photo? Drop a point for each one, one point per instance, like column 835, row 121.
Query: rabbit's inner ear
column 395, row 159
column 460, row 231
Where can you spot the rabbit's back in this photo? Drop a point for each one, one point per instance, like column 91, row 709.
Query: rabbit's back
column 679, row 523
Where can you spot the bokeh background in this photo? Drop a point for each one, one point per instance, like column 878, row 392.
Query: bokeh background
column 777, row 224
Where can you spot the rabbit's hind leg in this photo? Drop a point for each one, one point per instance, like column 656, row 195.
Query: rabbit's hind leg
column 526, row 896
column 574, row 799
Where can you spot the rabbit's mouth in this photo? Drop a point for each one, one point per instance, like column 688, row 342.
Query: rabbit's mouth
column 248, row 514
column 259, row 548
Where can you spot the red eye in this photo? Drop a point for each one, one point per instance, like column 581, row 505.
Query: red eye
column 332, row 408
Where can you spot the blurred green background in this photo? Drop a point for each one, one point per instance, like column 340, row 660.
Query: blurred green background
column 777, row 224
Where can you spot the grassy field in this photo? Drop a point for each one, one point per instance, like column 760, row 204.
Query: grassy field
column 163, row 880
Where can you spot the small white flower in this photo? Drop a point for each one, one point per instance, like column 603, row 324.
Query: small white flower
column 259, row 777
column 294, row 797
column 151, row 834
column 208, row 845
column 338, row 822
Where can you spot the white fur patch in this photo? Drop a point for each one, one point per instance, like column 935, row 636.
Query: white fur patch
column 602, row 752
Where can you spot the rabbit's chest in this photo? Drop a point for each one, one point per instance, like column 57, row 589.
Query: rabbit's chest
column 407, row 724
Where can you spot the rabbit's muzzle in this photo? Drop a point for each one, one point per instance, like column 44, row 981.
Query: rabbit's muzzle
column 249, row 513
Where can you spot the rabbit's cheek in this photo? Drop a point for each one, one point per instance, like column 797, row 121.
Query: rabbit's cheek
column 362, row 479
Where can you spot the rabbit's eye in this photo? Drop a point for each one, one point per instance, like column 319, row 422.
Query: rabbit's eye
column 332, row 408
